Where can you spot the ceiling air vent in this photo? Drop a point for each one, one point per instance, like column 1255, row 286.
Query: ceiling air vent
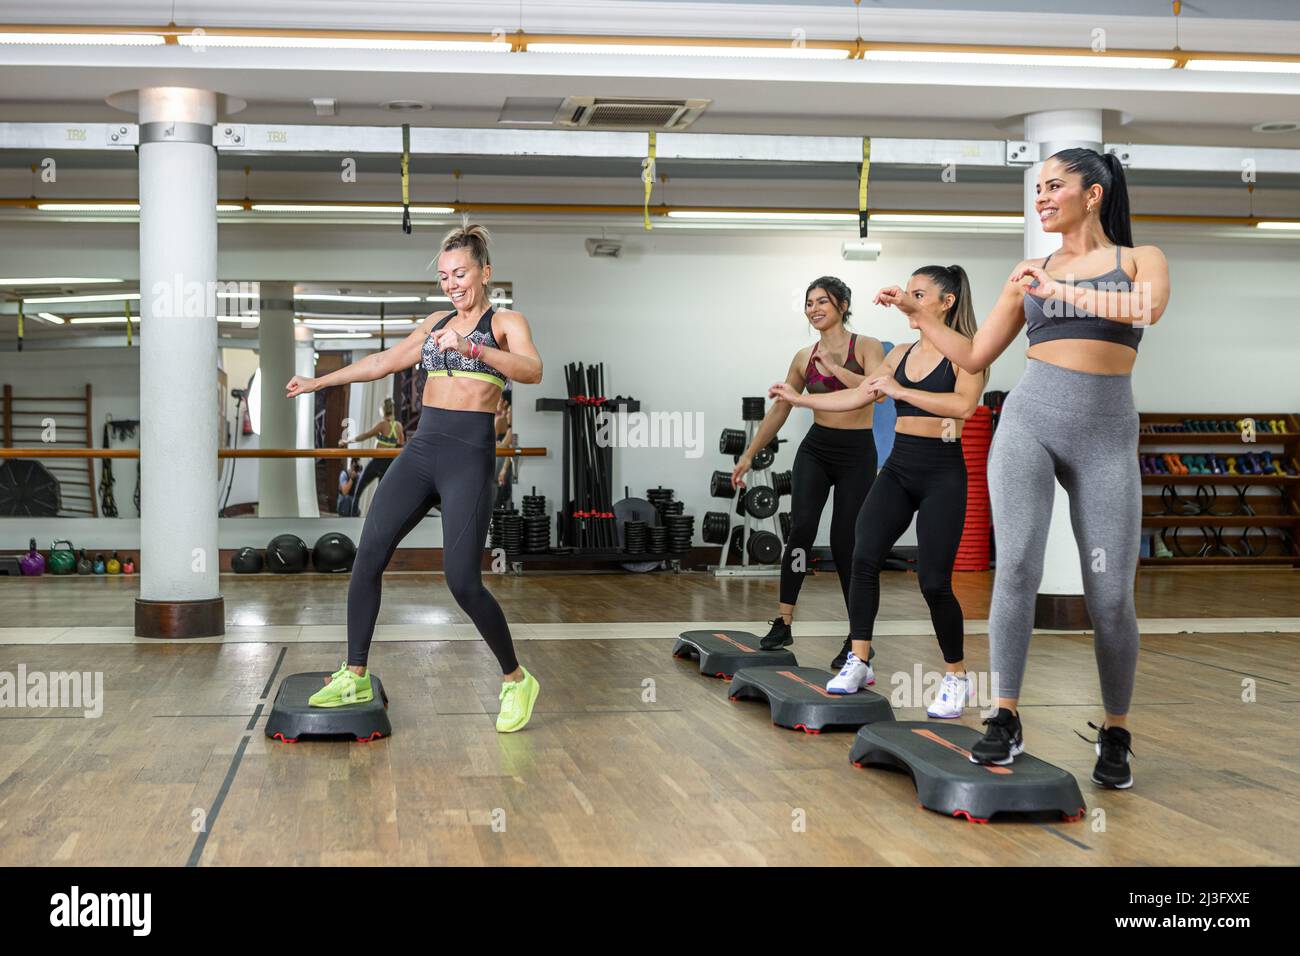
column 602, row 112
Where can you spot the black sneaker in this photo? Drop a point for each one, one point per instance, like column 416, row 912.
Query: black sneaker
column 1003, row 741
column 1112, row 770
column 779, row 636
column 842, row 657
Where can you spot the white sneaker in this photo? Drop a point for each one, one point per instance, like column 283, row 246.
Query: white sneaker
column 853, row 677
column 952, row 697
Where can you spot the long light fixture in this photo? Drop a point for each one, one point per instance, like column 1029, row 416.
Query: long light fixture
column 1280, row 226
column 333, row 297
column 359, row 316
column 102, row 320
column 57, row 280
column 947, row 219
column 787, row 51
column 50, row 317
column 84, row 39
column 284, row 42
column 322, row 207
column 772, row 215
column 98, row 297
column 1243, row 66
column 343, row 335
column 106, row 206
column 1109, row 61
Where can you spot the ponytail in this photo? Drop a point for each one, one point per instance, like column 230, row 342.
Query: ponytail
column 1107, row 171
column 952, row 280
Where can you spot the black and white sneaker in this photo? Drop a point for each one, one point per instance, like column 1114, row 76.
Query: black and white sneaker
column 843, row 656
column 779, row 636
column 1113, row 750
column 1003, row 741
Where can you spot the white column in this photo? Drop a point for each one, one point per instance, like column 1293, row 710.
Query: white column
column 277, row 478
column 1053, row 131
column 180, row 410
column 305, row 419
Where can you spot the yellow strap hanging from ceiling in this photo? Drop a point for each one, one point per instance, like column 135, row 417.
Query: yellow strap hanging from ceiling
column 406, row 178
column 862, row 187
column 126, row 303
column 20, row 325
column 648, row 176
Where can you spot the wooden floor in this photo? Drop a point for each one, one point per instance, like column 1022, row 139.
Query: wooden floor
column 177, row 770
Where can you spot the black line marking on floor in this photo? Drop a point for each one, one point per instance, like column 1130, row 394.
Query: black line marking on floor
column 211, row 819
column 271, row 680
column 186, row 716
column 1217, row 667
column 252, row 721
column 1068, row 839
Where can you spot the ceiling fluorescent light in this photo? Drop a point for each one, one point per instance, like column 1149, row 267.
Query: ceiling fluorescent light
column 343, row 335
column 104, row 297
column 56, row 280
column 330, row 297
column 339, row 43
column 1245, row 66
column 781, row 52
column 1020, row 59
column 83, row 39
column 392, row 207
column 1278, row 225
column 50, row 317
column 88, row 206
column 939, row 219
column 764, row 215
column 102, row 320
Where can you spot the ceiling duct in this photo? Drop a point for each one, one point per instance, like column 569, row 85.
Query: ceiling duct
column 604, row 112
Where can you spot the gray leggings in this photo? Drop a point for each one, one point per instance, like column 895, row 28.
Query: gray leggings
column 1081, row 429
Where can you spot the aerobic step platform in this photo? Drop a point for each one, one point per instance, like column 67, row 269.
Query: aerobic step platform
column 722, row 653
column 800, row 701
column 292, row 719
column 938, row 757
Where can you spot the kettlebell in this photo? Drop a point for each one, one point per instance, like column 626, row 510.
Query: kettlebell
column 83, row 563
column 99, row 564
column 114, row 566
column 62, row 560
column 33, row 562
column 128, row 565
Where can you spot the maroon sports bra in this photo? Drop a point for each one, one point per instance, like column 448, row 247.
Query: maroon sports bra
column 819, row 384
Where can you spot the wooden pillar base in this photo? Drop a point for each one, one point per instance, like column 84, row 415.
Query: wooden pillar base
column 1061, row 612
column 175, row 619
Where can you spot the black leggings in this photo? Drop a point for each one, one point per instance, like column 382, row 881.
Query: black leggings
column 846, row 459
column 375, row 469
column 925, row 477
column 452, row 454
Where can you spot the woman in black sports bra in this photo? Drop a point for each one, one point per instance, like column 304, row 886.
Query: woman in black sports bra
column 469, row 354
column 924, row 475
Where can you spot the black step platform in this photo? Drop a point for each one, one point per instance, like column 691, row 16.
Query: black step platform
column 722, row 653
column 938, row 757
column 292, row 719
column 799, row 700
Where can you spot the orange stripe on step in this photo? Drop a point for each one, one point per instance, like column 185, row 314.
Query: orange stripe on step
column 799, row 680
column 747, row 650
column 931, row 735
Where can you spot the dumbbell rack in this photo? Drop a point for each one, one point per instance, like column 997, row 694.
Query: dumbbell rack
column 745, row 569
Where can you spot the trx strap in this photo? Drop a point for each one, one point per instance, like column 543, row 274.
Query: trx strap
column 862, row 187
column 20, row 325
column 381, row 325
column 406, row 178
column 648, row 176
column 127, row 305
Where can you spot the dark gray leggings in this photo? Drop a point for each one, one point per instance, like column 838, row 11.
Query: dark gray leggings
column 453, row 455
column 1081, row 429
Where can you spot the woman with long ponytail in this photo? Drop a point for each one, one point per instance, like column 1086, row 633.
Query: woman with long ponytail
column 924, row 476
column 1071, row 419
column 387, row 433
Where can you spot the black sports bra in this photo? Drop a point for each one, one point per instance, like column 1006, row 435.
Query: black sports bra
column 943, row 378
column 1047, row 320
column 454, row 365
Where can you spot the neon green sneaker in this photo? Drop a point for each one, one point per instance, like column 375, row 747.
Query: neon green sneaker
column 344, row 688
column 517, row 699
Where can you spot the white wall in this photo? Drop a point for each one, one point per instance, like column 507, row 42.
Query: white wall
column 690, row 322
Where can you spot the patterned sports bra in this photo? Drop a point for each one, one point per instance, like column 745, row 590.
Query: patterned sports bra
column 452, row 364
column 819, row 384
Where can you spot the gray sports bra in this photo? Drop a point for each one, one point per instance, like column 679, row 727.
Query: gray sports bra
column 1047, row 320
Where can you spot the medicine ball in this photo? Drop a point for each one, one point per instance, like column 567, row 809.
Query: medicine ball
column 333, row 552
column 286, row 554
column 246, row 561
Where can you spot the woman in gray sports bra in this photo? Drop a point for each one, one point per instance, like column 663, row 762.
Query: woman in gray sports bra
column 1070, row 418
